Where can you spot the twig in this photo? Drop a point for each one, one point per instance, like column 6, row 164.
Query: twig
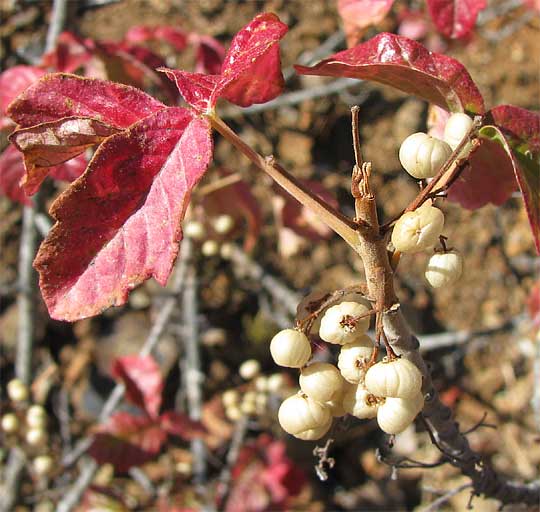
column 295, row 97
column 280, row 292
column 191, row 370
column 57, row 23
column 225, row 477
column 73, row 495
column 433, row 507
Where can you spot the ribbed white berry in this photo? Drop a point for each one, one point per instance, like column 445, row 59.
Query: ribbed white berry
column 353, row 358
column 396, row 414
column 233, row 412
column 194, row 230
column 444, row 268
column 230, row 397
column 290, row 348
column 275, row 383
column 223, row 224
column 36, row 416
column 322, row 382
column 457, row 126
column 10, row 423
column 304, row 418
column 249, row 369
column 344, row 323
column 36, row 437
column 398, row 378
column 43, row 465
column 210, row 248
column 17, row 390
column 336, row 406
column 418, row 230
column 359, row 402
column 422, row 155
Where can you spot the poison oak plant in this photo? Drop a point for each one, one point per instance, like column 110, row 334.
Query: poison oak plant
column 121, row 221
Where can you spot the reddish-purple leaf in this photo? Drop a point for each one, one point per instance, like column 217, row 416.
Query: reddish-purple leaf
column 71, row 53
column 70, row 170
column 119, row 224
column 134, row 65
column 143, row 381
column 520, row 126
column 251, row 71
column 359, row 14
column 176, row 37
column 14, row 81
column 455, row 18
column 48, row 144
column 488, row 179
column 180, row 425
column 408, row 66
column 61, row 95
column 11, row 174
column 209, row 54
column 127, row 441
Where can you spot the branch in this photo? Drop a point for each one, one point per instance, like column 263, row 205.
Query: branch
column 435, row 506
column 191, row 370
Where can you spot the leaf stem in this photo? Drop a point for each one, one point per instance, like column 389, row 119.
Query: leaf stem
column 345, row 227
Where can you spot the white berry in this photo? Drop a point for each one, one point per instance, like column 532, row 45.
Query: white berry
column 36, row 416
column 353, row 358
column 210, row 248
column 457, row 126
column 304, row 418
column 17, row 390
column 194, row 230
column 359, row 402
column 444, row 268
column 233, row 412
column 275, row 383
column 36, row 437
column 249, row 369
column 290, row 348
column 230, row 397
column 10, row 423
column 43, row 465
column 342, row 323
column 322, row 382
column 398, row 378
column 396, row 414
column 422, row 155
column 418, row 230
column 223, row 224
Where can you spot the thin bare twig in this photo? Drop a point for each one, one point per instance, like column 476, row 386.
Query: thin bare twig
column 57, row 23
column 191, row 370
column 433, row 507
column 225, row 477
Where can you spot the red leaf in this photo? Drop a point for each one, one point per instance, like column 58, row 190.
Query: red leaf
column 48, row 144
column 520, row 126
column 455, row 18
column 127, row 441
column 176, row 37
column 488, row 179
column 119, row 223
column 408, row 66
column 533, row 303
column 251, row 71
column 11, row 174
column 71, row 170
column 143, row 381
column 359, row 14
column 14, row 81
column 60, row 95
column 180, row 425
column 71, row 53
column 209, row 54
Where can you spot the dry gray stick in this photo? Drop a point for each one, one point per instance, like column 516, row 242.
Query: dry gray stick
column 433, row 507
column 281, row 293
column 225, row 478
column 57, row 23
column 293, row 98
column 191, row 370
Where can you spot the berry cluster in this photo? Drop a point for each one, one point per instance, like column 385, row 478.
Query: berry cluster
column 422, row 156
column 211, row 233
column 32, row 430
column 389, row 390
